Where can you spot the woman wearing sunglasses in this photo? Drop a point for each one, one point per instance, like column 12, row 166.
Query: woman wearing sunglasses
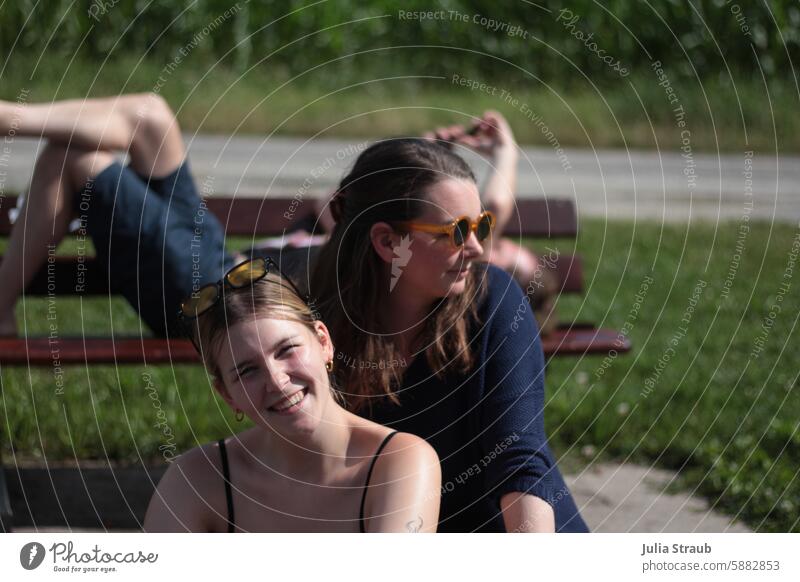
column 307, row 464
column 400, row 282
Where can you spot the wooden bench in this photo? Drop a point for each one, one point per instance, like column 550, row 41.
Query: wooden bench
column 105, row 497
column 257, row 218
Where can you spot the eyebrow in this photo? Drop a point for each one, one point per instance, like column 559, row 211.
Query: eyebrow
column 249, row 361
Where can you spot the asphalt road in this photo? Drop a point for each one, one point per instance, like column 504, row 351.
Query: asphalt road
column 641, row 185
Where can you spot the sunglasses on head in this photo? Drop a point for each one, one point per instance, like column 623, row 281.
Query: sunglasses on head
column 458, row 229
column 240, row 276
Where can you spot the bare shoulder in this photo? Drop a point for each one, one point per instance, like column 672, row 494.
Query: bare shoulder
column 195, row 466
column 404, row 488
column 189, row 495
column 405, row 455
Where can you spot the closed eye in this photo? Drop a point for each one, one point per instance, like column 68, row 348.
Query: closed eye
column 244, row 371
column 286, row 349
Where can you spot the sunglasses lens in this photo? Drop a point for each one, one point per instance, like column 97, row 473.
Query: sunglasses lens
column 201, row 301
column 246, row 273
column 484, row 227
column 461, row 233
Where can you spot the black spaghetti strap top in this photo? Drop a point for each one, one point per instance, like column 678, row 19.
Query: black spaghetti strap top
column 226, row 475
column 361, row 526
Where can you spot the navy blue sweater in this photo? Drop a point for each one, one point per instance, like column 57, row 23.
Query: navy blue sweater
column 487, row 426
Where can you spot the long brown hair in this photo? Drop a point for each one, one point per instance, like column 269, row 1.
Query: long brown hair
column 388, row 183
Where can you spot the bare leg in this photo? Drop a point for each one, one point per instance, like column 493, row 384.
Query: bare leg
column 43, row 221
column 141, row 124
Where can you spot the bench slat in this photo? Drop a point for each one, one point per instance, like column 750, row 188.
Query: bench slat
column 40, row 351
column 71, row 275
column 584, row 340
column 270, row 216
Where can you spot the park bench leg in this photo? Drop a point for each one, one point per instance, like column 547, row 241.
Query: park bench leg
column 5, row 502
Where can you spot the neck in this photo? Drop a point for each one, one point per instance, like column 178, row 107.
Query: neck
column 313, row 456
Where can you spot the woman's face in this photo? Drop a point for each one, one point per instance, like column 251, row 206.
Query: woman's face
column 274, row 371
column 435, row 267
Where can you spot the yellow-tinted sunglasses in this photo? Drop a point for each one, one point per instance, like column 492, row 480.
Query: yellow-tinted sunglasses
column 240, row 276
column 458, row 229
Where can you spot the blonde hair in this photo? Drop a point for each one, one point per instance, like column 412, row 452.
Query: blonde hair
column 270, row 297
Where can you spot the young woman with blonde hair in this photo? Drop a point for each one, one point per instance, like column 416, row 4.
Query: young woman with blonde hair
column 306, row 464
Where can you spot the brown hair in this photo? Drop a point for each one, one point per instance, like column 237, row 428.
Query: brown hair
column 270, row 297
column 388, row 183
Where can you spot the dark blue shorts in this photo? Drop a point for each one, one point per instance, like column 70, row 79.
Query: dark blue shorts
column 156, row 239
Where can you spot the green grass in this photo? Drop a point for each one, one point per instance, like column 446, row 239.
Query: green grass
column 385, row 101
column 728, row 421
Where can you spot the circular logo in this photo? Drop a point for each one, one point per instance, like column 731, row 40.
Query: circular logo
column 31, row 555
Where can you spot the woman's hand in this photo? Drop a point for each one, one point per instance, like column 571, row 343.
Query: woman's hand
column 489, row 135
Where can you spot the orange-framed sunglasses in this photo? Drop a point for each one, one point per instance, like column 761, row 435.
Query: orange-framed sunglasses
column 458, row 229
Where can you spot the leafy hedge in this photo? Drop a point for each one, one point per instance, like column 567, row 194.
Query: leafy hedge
column 295, row 36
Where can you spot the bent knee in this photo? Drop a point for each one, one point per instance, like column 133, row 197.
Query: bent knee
column 153, row 114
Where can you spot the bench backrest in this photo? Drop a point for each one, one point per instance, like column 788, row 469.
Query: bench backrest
column 254, row 217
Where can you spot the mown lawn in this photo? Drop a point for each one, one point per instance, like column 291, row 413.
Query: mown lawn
column 636, row 113
column 721, row 405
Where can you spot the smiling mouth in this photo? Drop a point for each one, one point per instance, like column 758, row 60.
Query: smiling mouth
column 290, row 404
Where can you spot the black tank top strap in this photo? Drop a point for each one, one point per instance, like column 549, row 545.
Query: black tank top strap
column 226, row 475
column 362, row 525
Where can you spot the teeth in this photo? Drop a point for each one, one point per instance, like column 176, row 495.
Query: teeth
column 291, row 401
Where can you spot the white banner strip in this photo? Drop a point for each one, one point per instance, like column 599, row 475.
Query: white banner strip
column 389, row 558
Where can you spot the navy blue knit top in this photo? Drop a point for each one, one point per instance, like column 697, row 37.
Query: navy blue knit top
column 488, row 425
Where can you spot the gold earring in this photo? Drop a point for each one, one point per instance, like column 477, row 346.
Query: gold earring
column 329, row 366
column 239, row 415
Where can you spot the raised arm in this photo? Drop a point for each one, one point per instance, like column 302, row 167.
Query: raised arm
column 405, row 488
column 501, row 184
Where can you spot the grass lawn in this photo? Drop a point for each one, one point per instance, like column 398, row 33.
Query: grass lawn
column 634, row 113
column 710, row 387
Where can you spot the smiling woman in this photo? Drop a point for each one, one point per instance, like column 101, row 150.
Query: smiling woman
column 307, row 464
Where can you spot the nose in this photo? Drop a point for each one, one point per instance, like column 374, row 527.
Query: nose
column 276, row 376
column 472, row 247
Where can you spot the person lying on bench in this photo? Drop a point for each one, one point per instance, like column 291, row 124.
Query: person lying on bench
column 307, row 465
column 152, row 233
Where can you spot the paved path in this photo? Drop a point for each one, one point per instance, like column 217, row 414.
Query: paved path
column 606, row 183
column 631, row 498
